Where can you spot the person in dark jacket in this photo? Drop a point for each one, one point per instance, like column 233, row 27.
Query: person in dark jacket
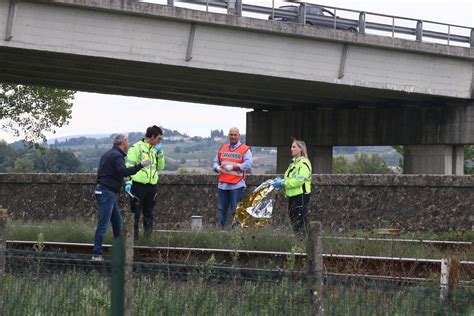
column 110, row 176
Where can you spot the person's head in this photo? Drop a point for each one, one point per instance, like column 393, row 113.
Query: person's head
column 153, row 135
column 234, row 135
column 121, row 141
column 298, row 148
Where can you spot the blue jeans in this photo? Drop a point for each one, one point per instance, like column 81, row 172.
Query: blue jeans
column 224, row 198
column 108, row 212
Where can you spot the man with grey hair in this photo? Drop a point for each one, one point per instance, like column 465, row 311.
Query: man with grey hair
column 110, row 176
column 232, row 162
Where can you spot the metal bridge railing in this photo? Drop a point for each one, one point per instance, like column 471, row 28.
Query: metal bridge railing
column 360, row 25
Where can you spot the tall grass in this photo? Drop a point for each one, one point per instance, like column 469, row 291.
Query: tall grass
column 266, row 239
column 76, row 293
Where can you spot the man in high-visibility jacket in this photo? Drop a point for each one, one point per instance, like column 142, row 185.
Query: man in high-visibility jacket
column 232, row 162
column 144, row 183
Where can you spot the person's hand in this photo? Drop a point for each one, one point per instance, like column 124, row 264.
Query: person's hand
column 128, row 187
column 158, row 148
column 145, row 163
column 278, row 183
column 228, row 168
column 218, row 169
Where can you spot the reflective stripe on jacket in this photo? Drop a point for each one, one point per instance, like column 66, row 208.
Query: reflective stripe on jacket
column 298, row 177
column 227, row 156
column 143, row 151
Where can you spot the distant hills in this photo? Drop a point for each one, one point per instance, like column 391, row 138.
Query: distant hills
column 186, row 153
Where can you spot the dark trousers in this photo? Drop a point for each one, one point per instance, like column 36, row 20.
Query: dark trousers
column 147, row 196
column 226, row 198
column 298, row 213
column 108, row 212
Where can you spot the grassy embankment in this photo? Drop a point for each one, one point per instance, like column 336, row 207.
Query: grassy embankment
column 267, row 239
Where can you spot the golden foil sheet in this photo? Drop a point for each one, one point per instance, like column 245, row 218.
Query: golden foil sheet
column 256, row 208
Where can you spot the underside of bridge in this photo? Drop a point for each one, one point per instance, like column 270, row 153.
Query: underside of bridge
column 188, row 84
column 432, row 129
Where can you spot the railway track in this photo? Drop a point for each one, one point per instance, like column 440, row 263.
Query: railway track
column 407, row 268
column 438, row 243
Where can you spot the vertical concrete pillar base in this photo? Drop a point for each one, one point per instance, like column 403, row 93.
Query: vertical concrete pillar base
column 321, row 159
column 433, row 159
column 283, row 158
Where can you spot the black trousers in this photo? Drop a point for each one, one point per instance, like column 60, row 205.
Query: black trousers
column 298, row 213
column 147, row 195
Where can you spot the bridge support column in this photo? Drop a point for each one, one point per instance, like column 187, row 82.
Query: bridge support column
column 283, row 158
column 433, row 159
column 320, row 157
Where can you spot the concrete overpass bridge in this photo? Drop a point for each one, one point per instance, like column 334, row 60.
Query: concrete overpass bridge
column 330, row 87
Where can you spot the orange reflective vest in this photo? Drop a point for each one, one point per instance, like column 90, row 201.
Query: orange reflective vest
column 231, row 157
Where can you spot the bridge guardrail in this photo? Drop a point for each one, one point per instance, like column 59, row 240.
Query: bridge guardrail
column 237, row 7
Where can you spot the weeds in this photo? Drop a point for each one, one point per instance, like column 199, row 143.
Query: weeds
column 39, row 246
column 76, row 294
column 268, row 239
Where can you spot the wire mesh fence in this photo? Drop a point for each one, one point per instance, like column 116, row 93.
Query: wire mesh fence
column 44, row 283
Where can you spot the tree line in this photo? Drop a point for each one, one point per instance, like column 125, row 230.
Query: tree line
column 37, row 159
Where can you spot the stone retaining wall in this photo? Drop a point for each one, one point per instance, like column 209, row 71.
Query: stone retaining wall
column 343, row 202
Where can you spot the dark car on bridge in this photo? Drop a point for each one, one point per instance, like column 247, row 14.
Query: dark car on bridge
column 317, row 16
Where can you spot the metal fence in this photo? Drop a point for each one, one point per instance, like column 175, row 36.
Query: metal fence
column 37, row 283
column 364, row 22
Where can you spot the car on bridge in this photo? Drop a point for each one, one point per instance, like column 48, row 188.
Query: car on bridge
column 315, row 15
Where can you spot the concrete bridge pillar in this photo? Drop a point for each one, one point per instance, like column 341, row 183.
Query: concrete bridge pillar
column 432, row 136
column 433, row 159
column 283, row 158
column 320, row 157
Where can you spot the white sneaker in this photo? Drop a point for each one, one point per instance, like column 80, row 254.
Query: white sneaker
column 97, row 258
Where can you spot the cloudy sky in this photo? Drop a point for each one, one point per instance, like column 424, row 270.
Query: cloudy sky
column 98, row 114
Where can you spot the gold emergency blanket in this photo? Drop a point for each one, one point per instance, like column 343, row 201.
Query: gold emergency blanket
column 256, row 209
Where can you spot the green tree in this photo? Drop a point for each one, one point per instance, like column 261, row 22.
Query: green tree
column 365, row 164
column 55, row 160
column 31, row 110
column 340, row 165
column 7, row 156
column 24, row 165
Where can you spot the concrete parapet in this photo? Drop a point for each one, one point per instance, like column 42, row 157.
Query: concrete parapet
column 341, row 202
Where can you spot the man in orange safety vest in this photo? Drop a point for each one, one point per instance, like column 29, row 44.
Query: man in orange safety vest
column 232, row 162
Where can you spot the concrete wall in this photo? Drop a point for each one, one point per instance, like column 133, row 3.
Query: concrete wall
column 413, row 203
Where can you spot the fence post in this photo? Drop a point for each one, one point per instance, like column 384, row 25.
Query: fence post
column 362, row 22
column 419, row 31
column 302, row 14
column 238, row 7
column 118, row 285
column 314, row 256
column 231, row 7
column 449, row 278
column 129, row 244
column 3, row 252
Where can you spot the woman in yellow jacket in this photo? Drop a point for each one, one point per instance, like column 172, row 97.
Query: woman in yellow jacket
column 297, row 186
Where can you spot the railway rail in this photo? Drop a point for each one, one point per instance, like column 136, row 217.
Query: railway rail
column 445, row 244
column 390, row 267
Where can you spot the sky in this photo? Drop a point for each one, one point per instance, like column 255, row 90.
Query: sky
column 105, row 114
